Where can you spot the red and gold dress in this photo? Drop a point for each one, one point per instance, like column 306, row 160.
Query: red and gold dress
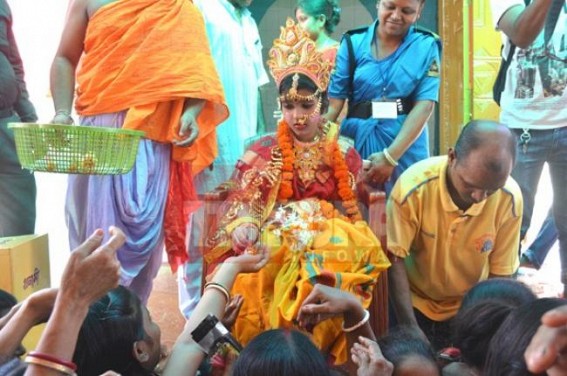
column 313, row 236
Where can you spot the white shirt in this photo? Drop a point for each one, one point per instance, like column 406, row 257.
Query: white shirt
column 237, row 50
column 535, row 95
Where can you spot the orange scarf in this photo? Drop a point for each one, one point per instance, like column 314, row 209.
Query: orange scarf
column 147, row 56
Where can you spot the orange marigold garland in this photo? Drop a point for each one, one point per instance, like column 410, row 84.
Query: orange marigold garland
column 345, row 191
column 341, row 174
column 285, row 143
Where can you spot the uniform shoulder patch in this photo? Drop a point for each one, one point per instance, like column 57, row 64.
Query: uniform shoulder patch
column 433, row 70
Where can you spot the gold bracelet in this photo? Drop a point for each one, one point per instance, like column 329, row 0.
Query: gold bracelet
column 51, row 365
column 359, row 324
column 217, row 286
column 389, row 158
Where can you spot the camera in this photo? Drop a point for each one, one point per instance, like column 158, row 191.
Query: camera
column 211, row 335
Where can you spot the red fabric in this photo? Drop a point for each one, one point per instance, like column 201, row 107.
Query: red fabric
column 182, row 200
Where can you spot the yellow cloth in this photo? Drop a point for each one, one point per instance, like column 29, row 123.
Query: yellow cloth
column 448, row 251
column 306, row 244
column 343, row 255
column 147, row 56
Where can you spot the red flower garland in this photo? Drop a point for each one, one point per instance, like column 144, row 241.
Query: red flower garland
column 341, row 172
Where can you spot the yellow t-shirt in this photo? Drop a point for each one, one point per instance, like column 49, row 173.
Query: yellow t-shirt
column 447, row 251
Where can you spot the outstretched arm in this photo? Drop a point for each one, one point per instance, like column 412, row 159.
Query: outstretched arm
column 91, row 271
column 399, row 291
column 186, row 355
column 34, row 310
column 381, row 168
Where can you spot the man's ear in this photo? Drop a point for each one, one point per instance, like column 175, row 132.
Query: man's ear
column 451, row 155
column 140, row 351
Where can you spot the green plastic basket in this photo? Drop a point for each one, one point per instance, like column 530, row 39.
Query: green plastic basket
column 72, row 149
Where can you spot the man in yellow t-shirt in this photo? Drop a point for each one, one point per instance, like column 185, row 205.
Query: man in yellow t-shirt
column 453, row 221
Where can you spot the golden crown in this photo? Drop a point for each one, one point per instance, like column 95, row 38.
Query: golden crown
column 294, row 52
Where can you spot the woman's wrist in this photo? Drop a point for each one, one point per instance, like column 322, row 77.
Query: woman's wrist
column 351, row 327
column 226, row 274
column 355, row 312
column 391, row 160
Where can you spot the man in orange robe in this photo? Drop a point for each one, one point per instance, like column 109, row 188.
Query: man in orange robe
column 136, row 68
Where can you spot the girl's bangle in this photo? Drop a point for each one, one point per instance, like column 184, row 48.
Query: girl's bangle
column 358, row 324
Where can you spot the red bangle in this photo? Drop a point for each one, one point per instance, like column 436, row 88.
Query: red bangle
column 51, row 358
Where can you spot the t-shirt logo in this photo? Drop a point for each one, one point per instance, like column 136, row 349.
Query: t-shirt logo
column 485, row 243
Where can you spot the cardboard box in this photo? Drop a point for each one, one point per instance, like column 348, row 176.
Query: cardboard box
column 24, row 269
column 24, row 264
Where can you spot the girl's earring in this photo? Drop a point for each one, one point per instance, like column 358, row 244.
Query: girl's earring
column 278, row 114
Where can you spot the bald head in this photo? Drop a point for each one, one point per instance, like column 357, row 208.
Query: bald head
column 481, row 161
column 496, row 141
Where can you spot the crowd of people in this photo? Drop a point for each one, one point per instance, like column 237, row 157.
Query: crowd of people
column 294, row 260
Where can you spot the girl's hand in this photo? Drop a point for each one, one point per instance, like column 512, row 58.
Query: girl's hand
column 244, row 236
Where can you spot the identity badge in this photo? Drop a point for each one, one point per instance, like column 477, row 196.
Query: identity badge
column 384, row 109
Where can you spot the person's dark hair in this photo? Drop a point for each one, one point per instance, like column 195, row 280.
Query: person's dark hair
column 7, row 301
column 280, row 352
column 107, row 335
column 474, row 326
column 472, row 137
column 483, row 309
column 401, row 343
column 506, row 351
column 328, row 8
column 507, row 290
column 303, row 83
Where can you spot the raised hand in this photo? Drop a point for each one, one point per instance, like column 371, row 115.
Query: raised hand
column 366, row 354
column 93, row 267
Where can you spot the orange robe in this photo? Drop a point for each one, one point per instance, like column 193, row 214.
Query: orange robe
column 147, row 57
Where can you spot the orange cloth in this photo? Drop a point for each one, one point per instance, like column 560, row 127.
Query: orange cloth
column 147, row 56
